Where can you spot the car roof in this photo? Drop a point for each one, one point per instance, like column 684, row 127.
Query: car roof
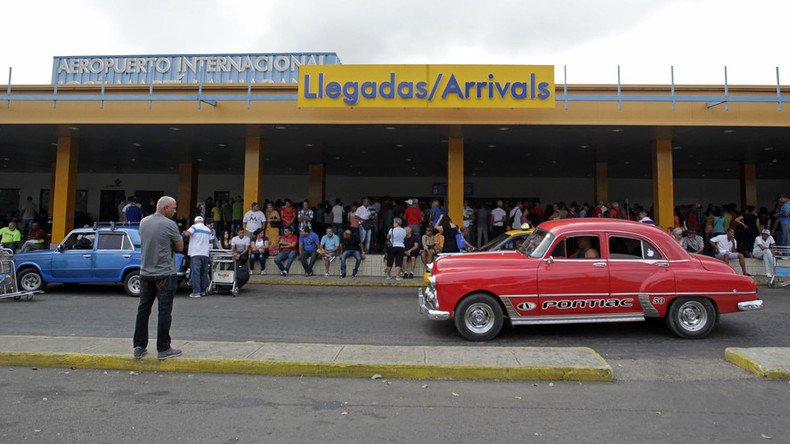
column 653, row 232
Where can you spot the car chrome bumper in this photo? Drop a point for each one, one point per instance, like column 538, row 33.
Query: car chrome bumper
column 425, row 308
column 751, row 305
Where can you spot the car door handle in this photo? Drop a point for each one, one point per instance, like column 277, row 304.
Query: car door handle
column 127, row 256
column 662, row 264
column 86, row 256
column 599, row 264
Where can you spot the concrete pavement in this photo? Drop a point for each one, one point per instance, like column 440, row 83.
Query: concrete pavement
column 412, row 362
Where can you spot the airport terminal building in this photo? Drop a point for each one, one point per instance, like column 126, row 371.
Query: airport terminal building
column 271, row 126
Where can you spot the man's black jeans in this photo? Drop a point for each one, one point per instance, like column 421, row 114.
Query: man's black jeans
column 152, row 287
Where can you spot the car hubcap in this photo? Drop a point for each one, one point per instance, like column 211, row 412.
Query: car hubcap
column 31, row 282
column 693, row 316
column 134, row 284
column 479, row 318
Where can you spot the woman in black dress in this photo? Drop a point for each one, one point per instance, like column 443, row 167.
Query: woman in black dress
column 449, row 230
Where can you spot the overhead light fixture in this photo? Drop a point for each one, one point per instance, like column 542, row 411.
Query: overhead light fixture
column 444, row 140
column 399, row 146
column 481, row 161
column 133, row 159
column 768, row 148
column 221, row 145
column 617, row 130
column 584, row 146
column 554, row 161
column 175, row 128
column 389, row 128
column 627, row 162
column 54, row 144
column 408, row 159
column 677, row 147
column 135, row 144
column 729, row 131
column 337, row 157
column 266, row 158
column 492, row 146
column 503, row 128
column 74, row 128
column 308, row 144
column 199, row 159
column 279, row 127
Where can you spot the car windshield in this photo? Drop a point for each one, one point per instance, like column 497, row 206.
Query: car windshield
column 488, row 246
column 537, row 243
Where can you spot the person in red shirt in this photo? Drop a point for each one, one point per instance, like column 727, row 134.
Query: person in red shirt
column 288, row 215
column 413, row 216
column 599, row 209
column 288, row 242
column 35, row 239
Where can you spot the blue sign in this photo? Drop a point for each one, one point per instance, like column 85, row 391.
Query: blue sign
column 211, row 68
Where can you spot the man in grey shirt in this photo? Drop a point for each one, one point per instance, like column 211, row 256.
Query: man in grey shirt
column 160, row 240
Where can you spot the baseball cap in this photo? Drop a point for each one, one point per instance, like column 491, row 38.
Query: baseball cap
column 199, row 220
column 766, row 232
column 409, row 201
column 677, row 231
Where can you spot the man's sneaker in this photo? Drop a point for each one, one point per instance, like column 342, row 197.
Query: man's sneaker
column 342, row 275
column 169, row 353
column 194, row 295
column 389, row 278
column 354, row 274
column 285, row 273
column 139, row 352
column 262, row 273
column 398, row 278
column 326, row 274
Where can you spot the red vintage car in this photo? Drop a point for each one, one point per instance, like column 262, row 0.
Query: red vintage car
column 586, row 270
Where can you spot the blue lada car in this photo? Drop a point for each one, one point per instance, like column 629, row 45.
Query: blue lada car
column 102, row 254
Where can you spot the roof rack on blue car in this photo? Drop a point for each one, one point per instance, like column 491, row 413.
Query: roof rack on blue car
column 113, row 224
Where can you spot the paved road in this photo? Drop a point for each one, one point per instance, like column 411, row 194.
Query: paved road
column 382, row 316
column 61, row 405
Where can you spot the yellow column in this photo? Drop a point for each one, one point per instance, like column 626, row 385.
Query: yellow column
column 601, row 182
column 748, row 183
column 663, row 186
column 253, row 170
column 317, row 183
column 64, row 187
column 187, row 190
column 455, row 179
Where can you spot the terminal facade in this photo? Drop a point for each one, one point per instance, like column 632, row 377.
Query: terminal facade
column 510, row 132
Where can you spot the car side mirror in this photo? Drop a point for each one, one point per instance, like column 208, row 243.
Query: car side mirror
column 549, row 260
column 61, row 248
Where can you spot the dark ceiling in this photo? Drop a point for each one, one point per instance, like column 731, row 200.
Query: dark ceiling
column 377, row 150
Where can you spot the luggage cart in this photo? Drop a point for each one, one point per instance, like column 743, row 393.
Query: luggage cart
column 223, row 272
column 782, row 268
column 8, row 283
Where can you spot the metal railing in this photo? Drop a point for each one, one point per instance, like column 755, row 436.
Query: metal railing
column 212, row 99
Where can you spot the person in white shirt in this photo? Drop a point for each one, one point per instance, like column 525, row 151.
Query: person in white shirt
column 337, row 217
column 727, row 248
column 253, row 220
column 395, row 236
column 515, row 217
column 240, row 245
column 365, row 223
column 498, row 216
column 199, row 239
column 762, row 250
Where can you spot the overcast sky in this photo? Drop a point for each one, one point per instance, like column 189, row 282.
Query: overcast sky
column 591, row 37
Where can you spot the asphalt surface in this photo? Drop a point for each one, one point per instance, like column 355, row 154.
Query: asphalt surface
column 66, row 405
column 363, row 315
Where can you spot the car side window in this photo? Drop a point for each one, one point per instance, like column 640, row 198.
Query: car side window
column 631, row 248
column 578, row 247
column 649, row 251
column 79, row 241
column 110, row 241
column 127, row 243
column 624, row 248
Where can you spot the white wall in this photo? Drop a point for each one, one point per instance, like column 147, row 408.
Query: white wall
column 351, row 188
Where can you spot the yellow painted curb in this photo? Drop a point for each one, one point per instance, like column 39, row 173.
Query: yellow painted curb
column 318, row 283
column 255, row 367
column 738, row 357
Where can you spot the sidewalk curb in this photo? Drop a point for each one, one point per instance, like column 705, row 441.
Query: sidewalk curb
column 743, row 359
column 286, row 368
